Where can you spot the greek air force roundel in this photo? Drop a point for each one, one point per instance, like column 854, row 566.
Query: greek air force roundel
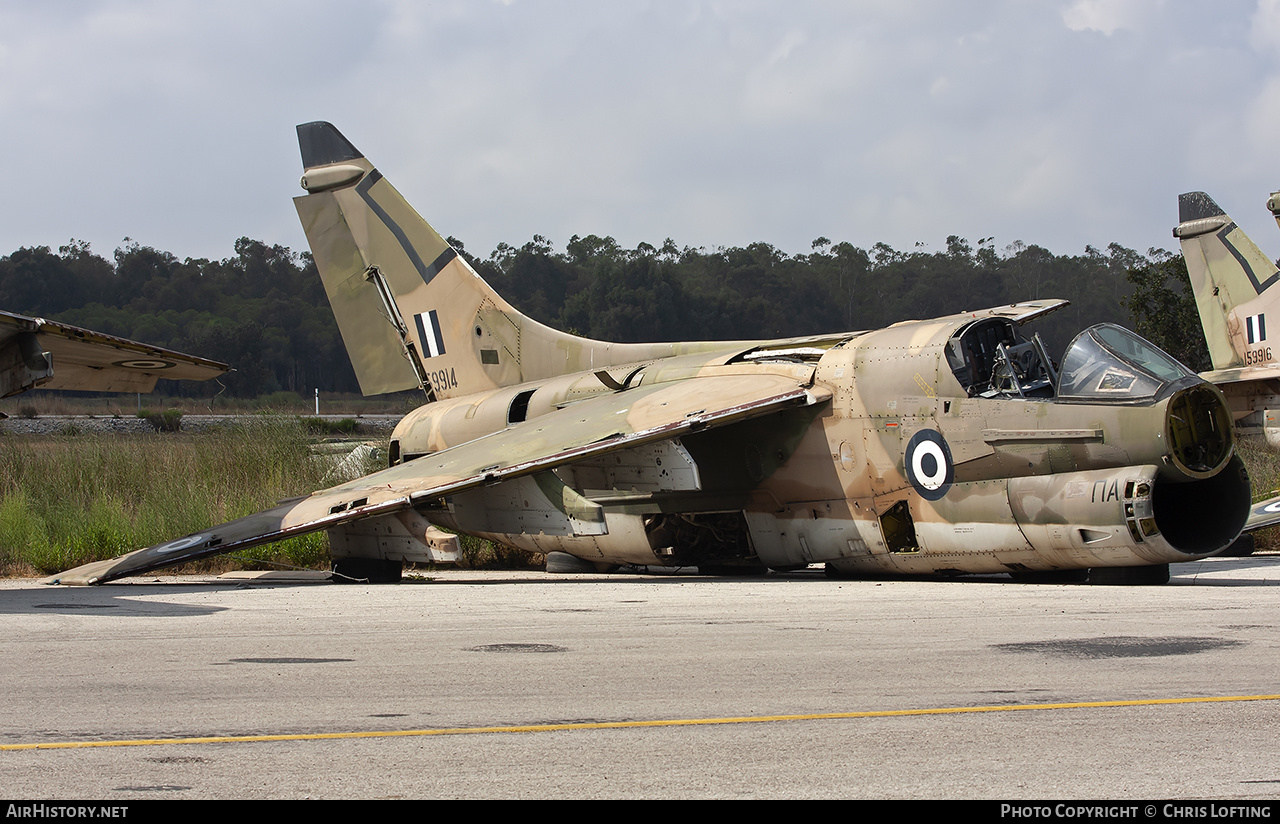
column 179, row 544
column 928, row 462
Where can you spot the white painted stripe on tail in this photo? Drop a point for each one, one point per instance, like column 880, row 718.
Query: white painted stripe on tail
column 428, row 324
column 1256, row 328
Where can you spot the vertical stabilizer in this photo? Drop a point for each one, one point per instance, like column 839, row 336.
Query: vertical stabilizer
column 1231, row 279
column 412, row 312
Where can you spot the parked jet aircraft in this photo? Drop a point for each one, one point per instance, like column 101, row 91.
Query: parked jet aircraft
column 35, row 352
column 1234, row 286
column 951, row 445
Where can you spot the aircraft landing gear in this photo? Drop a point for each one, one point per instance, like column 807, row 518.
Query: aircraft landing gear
column 1050, row 576
column 366, row 570
column 1130, row 576
column 564, row 563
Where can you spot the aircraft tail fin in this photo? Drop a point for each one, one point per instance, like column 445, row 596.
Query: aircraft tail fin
column 1229, row 276
column 412, row 312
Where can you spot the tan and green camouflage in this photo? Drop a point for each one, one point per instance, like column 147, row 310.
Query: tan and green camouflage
column 942, row 446
column 35, row 352
column 1232, row 281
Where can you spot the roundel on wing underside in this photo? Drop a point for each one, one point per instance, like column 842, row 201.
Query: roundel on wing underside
column 145, row 364
column 928, row 463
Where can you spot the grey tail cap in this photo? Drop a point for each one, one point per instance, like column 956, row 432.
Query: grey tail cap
column 1191, row 206
column 322, row 144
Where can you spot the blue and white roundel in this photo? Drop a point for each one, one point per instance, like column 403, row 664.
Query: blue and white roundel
column 178, row 544
column 928, row 462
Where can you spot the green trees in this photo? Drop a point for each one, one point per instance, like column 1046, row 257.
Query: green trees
column 263, row 310
column 1163, row 308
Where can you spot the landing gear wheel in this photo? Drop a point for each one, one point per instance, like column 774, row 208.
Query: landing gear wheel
column 563, row 563
column 1242, row 548
column 1050, row 576
column 1130, row 576
column 732, row 570
column 366, row 570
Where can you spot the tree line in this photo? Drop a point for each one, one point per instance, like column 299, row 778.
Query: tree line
column 264, row 311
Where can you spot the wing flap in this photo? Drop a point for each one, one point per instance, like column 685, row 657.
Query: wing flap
column 591, row 427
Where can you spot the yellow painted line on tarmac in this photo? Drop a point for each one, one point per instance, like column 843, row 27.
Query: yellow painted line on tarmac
column 623, row 725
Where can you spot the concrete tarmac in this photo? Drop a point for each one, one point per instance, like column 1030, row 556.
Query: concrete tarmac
column 528, row 685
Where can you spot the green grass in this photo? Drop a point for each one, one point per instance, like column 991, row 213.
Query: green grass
column 67, row 500
column 1263, row 464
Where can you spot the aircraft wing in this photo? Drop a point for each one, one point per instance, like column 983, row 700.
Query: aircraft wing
column 51, row 355
column 595, row 426
column 1242, row 373
column 1263, row 514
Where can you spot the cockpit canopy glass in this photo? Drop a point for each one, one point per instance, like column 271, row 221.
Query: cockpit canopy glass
column 1110, row 362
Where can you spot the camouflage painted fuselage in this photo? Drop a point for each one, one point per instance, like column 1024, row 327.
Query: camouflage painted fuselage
column 896, row 469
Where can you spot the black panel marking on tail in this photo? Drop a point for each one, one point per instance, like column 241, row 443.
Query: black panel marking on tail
column 1244, row 264
column 427, row 272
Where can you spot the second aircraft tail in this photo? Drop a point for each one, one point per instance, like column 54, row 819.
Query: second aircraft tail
column 1231, row 279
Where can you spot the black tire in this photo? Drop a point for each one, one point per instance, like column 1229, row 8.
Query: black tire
column 366, row 570
column 838, row 574
column 732, row 571
column 1242, row 548
column 1130, row 576
column 1050, row 576
column 562, row 563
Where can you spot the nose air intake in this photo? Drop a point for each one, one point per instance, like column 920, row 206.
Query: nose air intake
column 1198, row 429
column 1207, row 512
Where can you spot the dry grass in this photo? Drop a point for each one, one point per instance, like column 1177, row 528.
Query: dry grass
column 68, row 500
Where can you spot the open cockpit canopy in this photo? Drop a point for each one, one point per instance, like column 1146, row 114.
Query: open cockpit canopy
column 991, row 358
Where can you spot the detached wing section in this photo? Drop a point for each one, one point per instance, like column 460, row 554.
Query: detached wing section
column 603, row 424
column 42, row 353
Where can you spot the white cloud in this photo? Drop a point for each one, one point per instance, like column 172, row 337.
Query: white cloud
column 1108, row 16
column 1264, row 33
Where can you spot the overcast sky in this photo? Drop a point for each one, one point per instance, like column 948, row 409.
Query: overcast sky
column 713, row 123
